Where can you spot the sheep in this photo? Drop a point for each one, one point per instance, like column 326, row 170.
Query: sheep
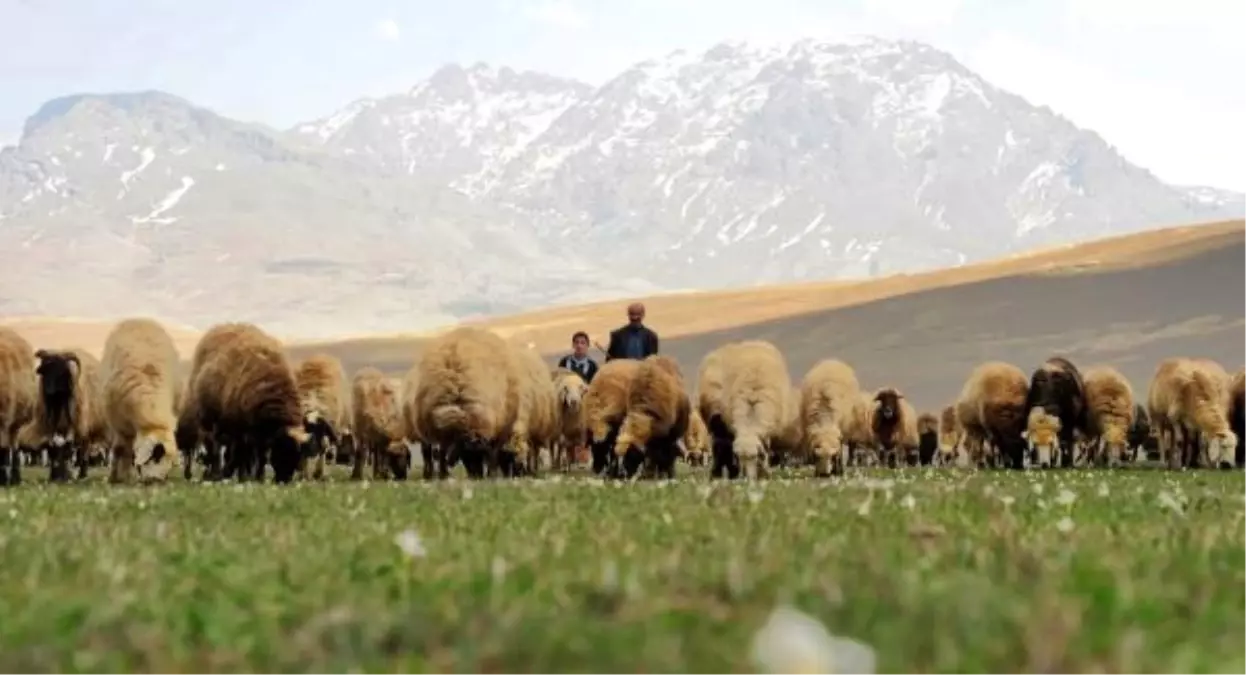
column 754, row 388
column 244, row 398
column 1142, row 441
column 949, row 438
column 856, row 432
column 67, row 418
column 893, row 423
column 1192, row 400
column 789, row 443
column 696, row 439
column 570, row 389
column 605, row 405
column 324, row 401
column 1110, row 409
column 655, row 420
column 467, row 399
column 409, row 414
column 536, row 418
column 1042, row 438
column 189, row 436
column 377, row 422
column 141, row 396
column 992, row 407
column 828, row 394
column 1056, row 386
column 1158, row 399
column 1237, row 414
column 927, row 438
column 17, row 400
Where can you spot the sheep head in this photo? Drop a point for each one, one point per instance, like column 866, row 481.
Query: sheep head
column 887, row 404
column 155, row 454
column 1042, row 437
column 57, row 373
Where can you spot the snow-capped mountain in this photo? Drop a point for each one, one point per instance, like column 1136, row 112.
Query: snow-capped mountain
column 483, row 190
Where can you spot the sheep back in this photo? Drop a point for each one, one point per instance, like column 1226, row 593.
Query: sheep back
column 141, row 391
column 657, row 406
column 757, row 386
column 324, row 397
column 17, row 386
column 536, row 415
column 992, row 405
column 1110, row 408
column 605, row 401
column 467, row 389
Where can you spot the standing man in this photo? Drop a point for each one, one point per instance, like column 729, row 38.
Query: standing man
column 634, row 340
column 578, row 360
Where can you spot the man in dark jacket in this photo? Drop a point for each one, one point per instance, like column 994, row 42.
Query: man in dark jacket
column 578, row 360
column 634, row 340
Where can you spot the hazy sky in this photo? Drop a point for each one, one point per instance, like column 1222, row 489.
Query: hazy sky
column 1160, row 80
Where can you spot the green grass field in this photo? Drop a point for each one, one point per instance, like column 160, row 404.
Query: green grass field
column 973, row 572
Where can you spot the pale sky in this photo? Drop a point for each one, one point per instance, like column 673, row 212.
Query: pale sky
column 1162, row 81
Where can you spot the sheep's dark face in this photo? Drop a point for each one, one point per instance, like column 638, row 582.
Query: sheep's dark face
column 56, row 375
column 888, row 405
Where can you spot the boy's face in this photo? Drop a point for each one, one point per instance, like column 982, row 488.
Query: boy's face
column 580, row 346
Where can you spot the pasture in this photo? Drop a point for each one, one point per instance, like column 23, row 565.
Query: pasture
column 934, row 570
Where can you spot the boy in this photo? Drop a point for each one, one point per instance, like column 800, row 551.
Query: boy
column 578, row 360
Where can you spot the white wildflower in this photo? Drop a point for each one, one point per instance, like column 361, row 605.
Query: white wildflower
column 1007, row 500
column 1103, row 490
column 704, row 491
column 864, row 509
column 1038, row 488
column 467, row 493
column 1169, row 501
column 1065, row 525
column 754, row 496
column 794, row 642
column 409, row 542
column 12, row 514
column 666, row 518
column 498, row 569
column 1066, row 497
column 908, row 502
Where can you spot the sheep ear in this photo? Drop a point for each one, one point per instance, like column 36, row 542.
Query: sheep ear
column 42, row 354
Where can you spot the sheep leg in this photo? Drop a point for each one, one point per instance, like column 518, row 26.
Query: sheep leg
column 81, row 459
column 122, row 463
column 6, row 459
column 426, row 451
column 357, row 458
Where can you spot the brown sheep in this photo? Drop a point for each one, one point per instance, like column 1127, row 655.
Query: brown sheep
column 655, row 420
column 67, row 417
column 789, row 443
column 1110, row 409
column 927, row 438
column 1042, row 437
column 893, row 422
column 991, row 408
column 536, row 418
column 605, row 405
column 324, row 400
column 246, row 400
column 189, row 434
column 409, row 414
column 753, row 409
column 696, row 440
column 856, row 432
column 140, row 393
column 1194, row 400
column 17, row 400
column 828, row 396
column 1158, row 400
column 377, row 424
column 467, row 399
column 1237, row 414
column 570, row 388
column 949, row 437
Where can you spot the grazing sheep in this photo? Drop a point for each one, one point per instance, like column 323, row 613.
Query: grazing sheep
column 409, row 415
column 856, row 432
column 950, row 432
column 1142, row 441
column 189, row 434
column 1056, row 387
column 1192, row 399
column 828, row 394
column 245, row 399
column 1237, row 414
column 1110, row 410
column 17, row 400
column 992, row 408
column 67, row 416
column 696, row 440
column 570, row 388
column 1042, row 438
column 536, row 417
column 605, row 405
column 927, row 438
column 325, row 405
column 655, row 420
column 141, row 394
column 893, row 423
column 754, row 389
column 1167, row 436
column 789, row 443
column 466, row 401
column 377, row 422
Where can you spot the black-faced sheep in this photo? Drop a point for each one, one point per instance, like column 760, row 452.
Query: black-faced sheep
column 467, row 399
column 1237, row 414
column 377, row 423
column 17, row 400
column 828, row 394
column 536, row 417
column 324, row 400
column 605, row 404
column 655, row 421
column 67, row 418
column 141, row 392
column 189, row 435
column 1192, row 399
column 950, row 432
column 752, row 410
column 927, row 438
column 1056, row 387
column 1110, row 409
column 570, row 388
column 893, row 422
column 992, row 407
column 245, row 399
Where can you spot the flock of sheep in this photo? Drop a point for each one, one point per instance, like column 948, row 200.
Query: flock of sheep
column 497, row 408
